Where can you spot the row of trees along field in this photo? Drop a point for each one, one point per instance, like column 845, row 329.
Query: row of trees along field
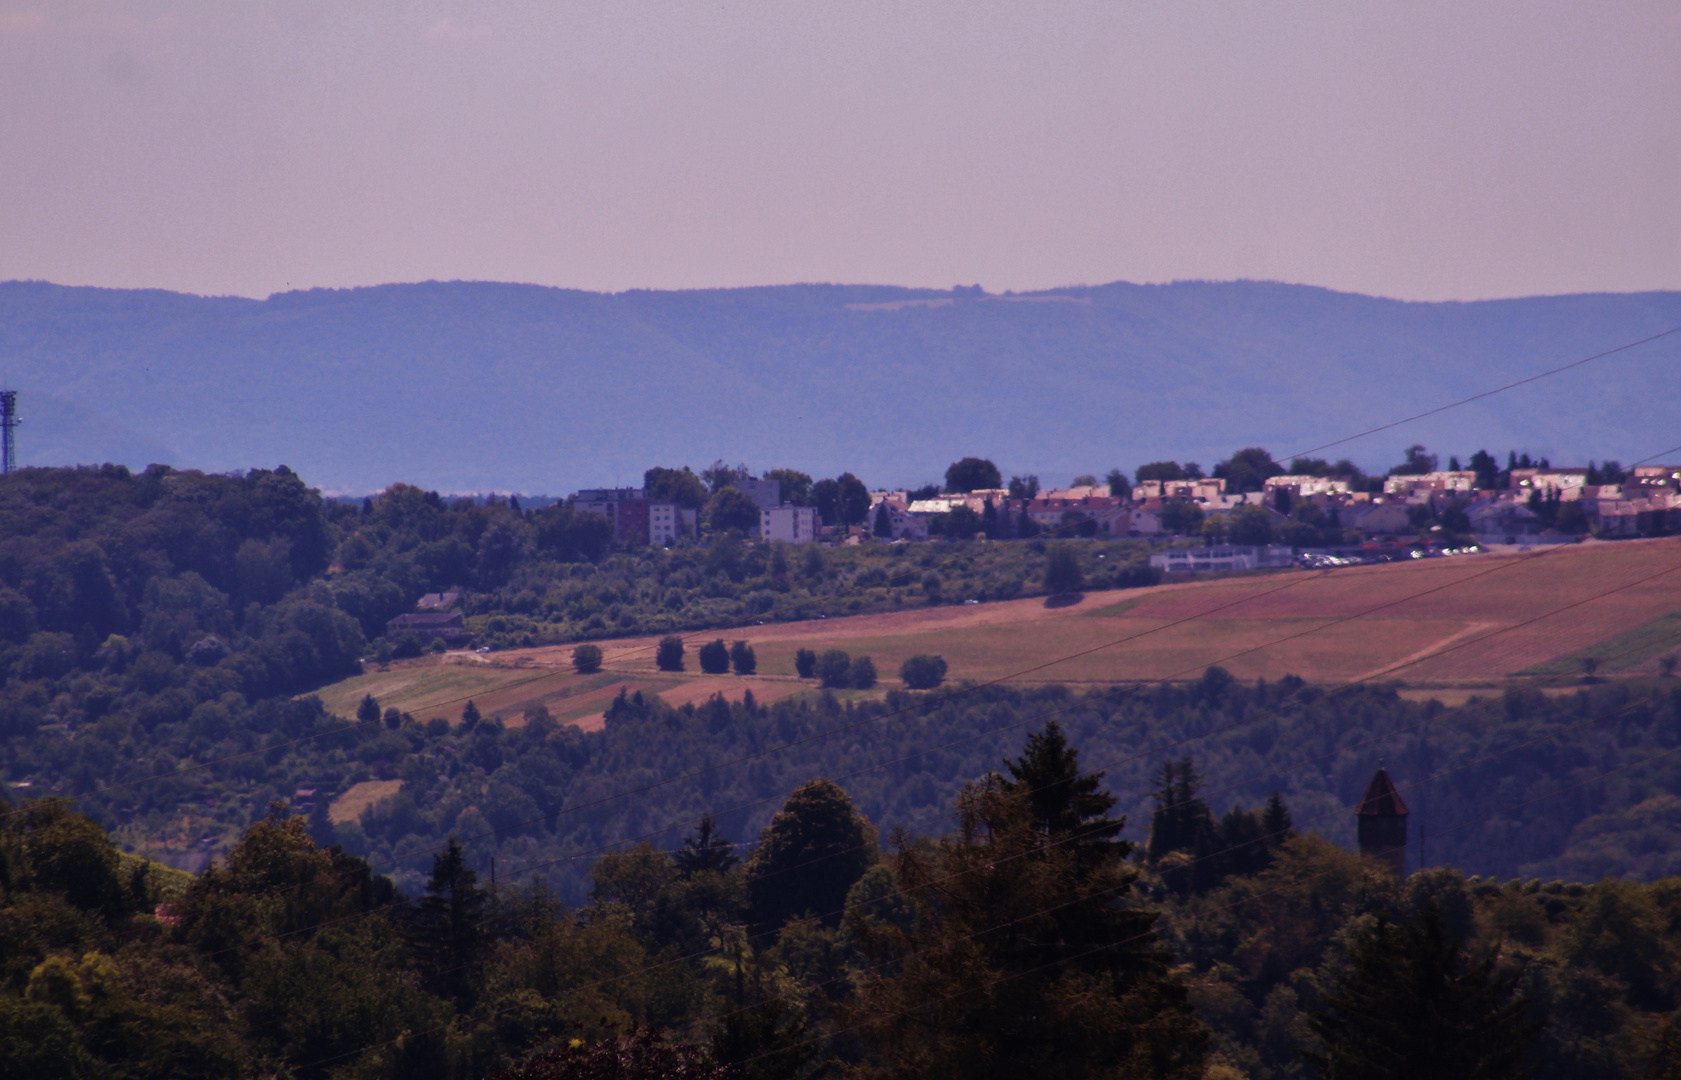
column 1030, row 938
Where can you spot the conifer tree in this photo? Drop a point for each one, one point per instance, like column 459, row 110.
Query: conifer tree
column 1025, row 959
column 1413, row 1004
column 368, row 711
column 470, row 717
column 447, row 931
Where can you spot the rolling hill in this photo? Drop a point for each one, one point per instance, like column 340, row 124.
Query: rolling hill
column 1447, row 627
column 482, row 386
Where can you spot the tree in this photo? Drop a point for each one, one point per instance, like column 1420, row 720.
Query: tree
column 731, row 508
column 795, row 485
column 923, row 671
column 1025, row 958
column 972, row 473
column 1418, row 462
column 447, row 930
column 586, row 659
column 393, row 718
column 1065, row 803
column 368, row 711
column 1248, row 469
column 470, row 716
column 1062, row 571
column 1119, row 486
column 884, row 521
column 719, row 476
column 669, row 655
column 825, row 495
column 1487, row 468
column 854, row 499
column 1181, row 516
column 834, row 668
column 742, row 658
column 1169, row 470
column 863, row 673
column 1413, row 1003
column 1251, row 525
column 705, row 850
column 680, row 486
column 962, row 523
column 1083, row 480
column 809, row 855
column 1024, row 487
column 715, row 658
column 805, row 663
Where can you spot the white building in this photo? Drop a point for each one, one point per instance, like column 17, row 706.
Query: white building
column 789, row 524
column 667, row 522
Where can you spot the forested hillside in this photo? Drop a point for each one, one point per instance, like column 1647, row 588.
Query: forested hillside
column 173, row 623
column 481, row 386
column 1027, row 938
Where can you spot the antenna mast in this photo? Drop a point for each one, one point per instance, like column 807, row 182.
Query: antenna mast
column 8, row 424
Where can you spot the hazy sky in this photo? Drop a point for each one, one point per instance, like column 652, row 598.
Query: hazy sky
column 1421, row 150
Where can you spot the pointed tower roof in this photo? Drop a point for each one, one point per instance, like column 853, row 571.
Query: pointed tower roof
column 1381, row 799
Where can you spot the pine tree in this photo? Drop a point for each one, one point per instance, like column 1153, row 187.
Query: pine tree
column 368, row 711
column 447, row 931
column 1024, row 959
column 1413, row 1004
column 706, row 850
column 884, row 522
column 470, row 717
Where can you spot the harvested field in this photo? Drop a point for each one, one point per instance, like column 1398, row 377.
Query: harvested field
column 349, row 806
column 1469, row 621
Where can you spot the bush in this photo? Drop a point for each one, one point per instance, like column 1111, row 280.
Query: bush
column 715, row 658
column 669, row 656
column 923, row 672
column 586, row 659
column 1062, row 571
column 741, row 655
column 834, row 668
column 805, row 662
column 863, row 673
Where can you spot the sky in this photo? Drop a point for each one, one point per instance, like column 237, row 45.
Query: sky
column 1420, row 150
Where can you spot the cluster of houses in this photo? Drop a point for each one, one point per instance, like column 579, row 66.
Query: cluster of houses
column 1648, row 501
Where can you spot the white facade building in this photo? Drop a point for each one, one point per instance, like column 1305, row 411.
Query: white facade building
column 789, row 524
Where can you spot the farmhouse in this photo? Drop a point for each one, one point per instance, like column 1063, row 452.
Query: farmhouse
column 428, row 624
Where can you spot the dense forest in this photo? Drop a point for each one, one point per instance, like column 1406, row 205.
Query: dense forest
column 1029, row 938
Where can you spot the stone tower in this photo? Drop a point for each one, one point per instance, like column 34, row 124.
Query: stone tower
column 1382, row 821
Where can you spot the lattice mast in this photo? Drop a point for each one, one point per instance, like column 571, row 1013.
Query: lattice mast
column 8, row 428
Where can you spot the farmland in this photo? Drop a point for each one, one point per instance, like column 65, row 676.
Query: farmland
column 1446, row 624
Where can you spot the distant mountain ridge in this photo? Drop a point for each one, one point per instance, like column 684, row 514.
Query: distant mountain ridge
column 475, row 386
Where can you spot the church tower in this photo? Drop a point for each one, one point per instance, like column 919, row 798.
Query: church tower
column 1383, row 824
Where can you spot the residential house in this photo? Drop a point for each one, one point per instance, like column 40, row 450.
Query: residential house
column 766, row 493
column 1421, row 483
column 436, row 601
column 1297, row 486
column 1502, row 517
column 428, row 624
column 1195, row 490
column 1529, row 481
column 1389, row 518
column 668, row 521
column 626, row 508
column 789, row 524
